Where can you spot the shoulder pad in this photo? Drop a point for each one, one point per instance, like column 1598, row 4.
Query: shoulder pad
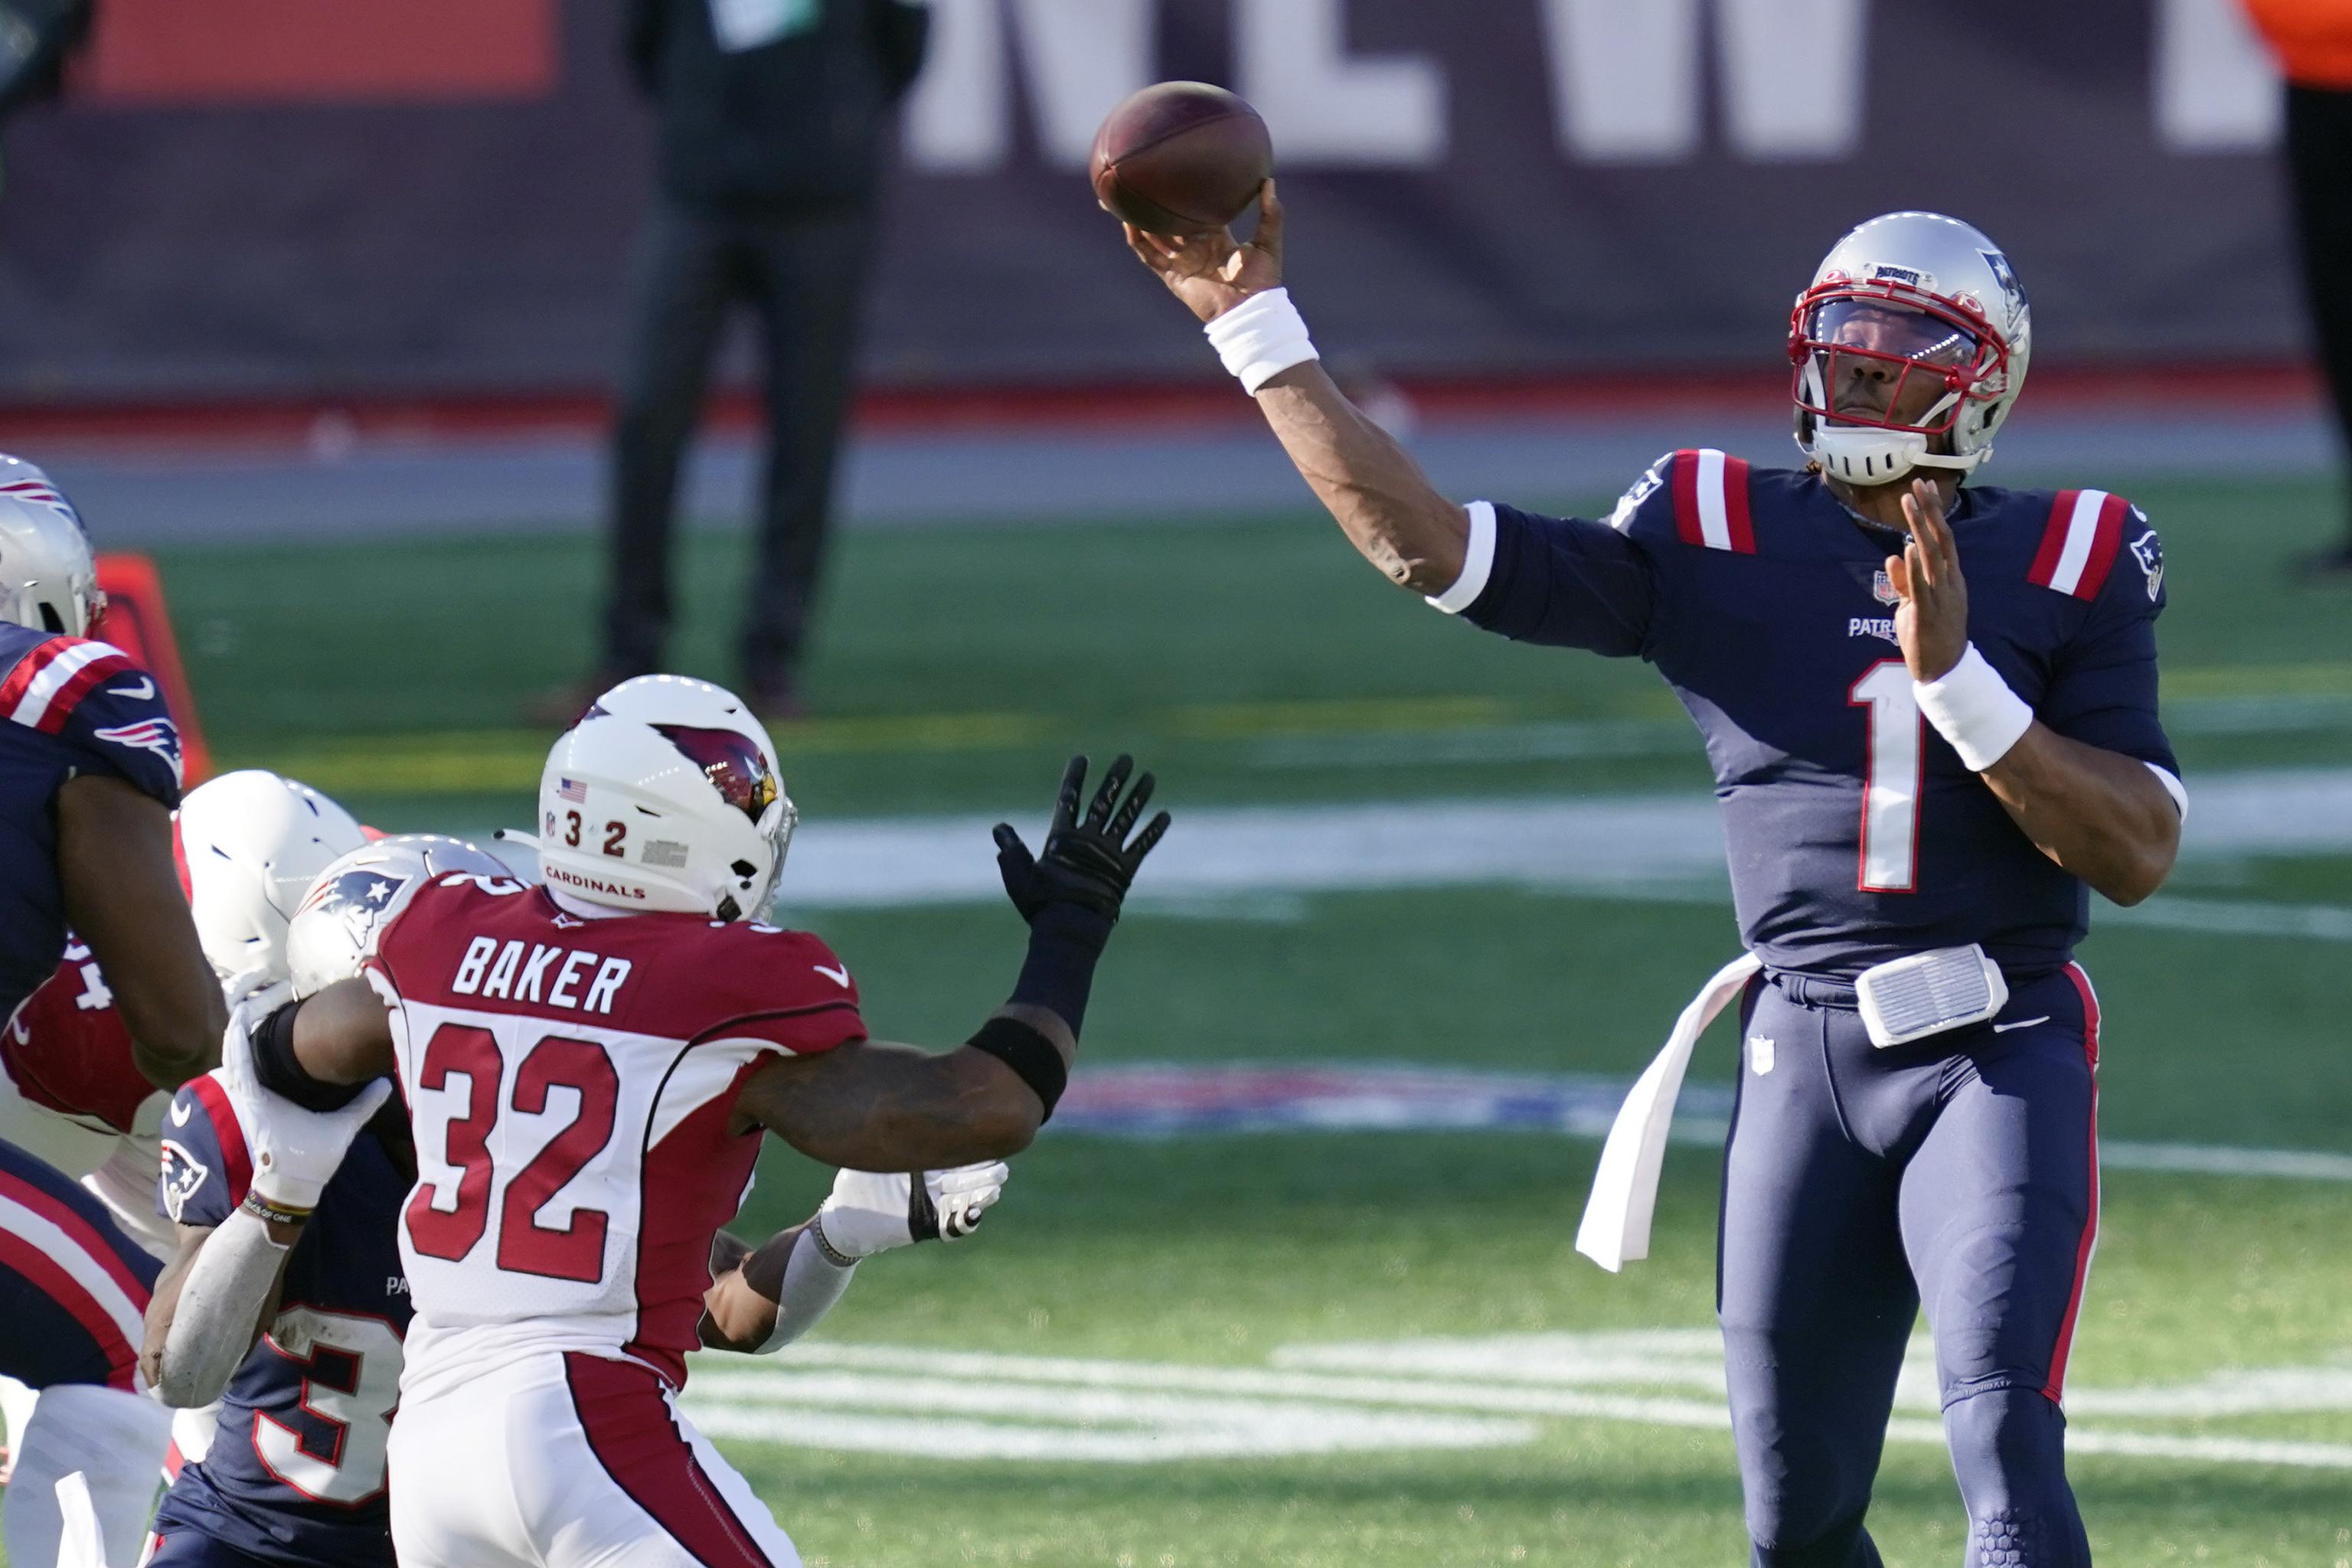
column 49, row 679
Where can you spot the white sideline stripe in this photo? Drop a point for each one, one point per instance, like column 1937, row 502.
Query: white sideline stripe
column 1317, row 1413
column 2082, row 529
column 1606, row 843
column 2297, row 1164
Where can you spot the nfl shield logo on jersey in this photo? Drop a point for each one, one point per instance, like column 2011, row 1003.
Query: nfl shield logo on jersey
column 1882, row 587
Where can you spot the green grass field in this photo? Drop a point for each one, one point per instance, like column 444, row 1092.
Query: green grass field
column 1254, row 660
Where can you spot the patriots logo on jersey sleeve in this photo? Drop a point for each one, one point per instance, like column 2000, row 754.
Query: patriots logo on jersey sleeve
column 2149, row 551
column 183, row 1177
column 160, row 736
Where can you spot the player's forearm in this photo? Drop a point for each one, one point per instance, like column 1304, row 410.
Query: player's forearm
column 123, row 898
column 1378, row 495
column 2099, row 813
column 228, row 1292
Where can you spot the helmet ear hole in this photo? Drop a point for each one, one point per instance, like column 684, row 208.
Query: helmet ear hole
column 50, row 620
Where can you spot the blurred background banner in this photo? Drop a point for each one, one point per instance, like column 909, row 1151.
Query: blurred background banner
column 303, row 199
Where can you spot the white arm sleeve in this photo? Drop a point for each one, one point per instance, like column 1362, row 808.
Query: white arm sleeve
column 212, row 1327
column 811, row 1287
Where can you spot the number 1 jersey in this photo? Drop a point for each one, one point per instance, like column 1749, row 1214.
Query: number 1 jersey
column 1855, row 833
column 570, row 1081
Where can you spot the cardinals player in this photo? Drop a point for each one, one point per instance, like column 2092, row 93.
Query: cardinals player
column 587, row 1068
column 1931, row 712
column 308, row 1356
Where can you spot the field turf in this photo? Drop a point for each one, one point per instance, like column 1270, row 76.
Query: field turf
column 1255, row 660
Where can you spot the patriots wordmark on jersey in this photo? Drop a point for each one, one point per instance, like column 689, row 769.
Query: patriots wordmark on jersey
column 68, row 706
column 1855, row 834
column 297, row 1473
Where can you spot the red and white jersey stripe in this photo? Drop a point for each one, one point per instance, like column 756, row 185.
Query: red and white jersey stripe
column 1711, row 501
column 76, row 1262
column 48, row 682
column 2080, row 541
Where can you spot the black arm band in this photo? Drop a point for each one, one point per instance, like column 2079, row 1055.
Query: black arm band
column 1028, row 1053
column 278, row 1070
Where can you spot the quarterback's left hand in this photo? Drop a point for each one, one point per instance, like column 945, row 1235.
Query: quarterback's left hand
column 871, row 1212
column 1932, row 620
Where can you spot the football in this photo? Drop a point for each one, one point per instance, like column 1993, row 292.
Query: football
column 1181, row 157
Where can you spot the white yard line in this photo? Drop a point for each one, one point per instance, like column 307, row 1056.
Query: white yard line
column 1320, row 1399
column 1609, row 845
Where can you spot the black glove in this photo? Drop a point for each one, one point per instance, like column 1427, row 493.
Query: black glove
column 1090, row 863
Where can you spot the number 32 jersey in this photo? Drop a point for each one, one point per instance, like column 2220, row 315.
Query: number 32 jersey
column 570, row 1082
column 1855, row 835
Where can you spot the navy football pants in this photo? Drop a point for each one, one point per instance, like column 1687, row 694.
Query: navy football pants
column 1958, row 1173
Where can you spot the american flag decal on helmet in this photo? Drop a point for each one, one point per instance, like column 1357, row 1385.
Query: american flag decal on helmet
column 572, row 790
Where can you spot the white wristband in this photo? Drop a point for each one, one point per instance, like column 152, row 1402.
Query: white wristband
column 1262, row 337
column 1973, row 707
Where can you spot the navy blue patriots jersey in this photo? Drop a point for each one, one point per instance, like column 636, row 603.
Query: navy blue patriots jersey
column 1855, row 835
column 68, row 706
column 295, row 1472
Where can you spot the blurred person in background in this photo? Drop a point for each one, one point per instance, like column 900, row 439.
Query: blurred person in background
column 2312, row 42
column 774, row 120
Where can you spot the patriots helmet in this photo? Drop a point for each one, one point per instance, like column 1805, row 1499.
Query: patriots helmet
column 250, row 844
column 666, row 795
column 1909, row 348
column 48, row 579
column 334, row 929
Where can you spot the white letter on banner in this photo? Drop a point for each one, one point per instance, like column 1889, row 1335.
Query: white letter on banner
column 1626, row 76
column 2216, row 88
column 1079, row 57
column 1793, row 73
column 1624, row 79
column 1327, row 110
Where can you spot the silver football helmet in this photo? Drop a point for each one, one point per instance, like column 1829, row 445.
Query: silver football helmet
column 48, row 579
column 1913, row 334
column 334, row 929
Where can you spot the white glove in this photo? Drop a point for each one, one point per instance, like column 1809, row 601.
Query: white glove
column 870, row 1212
column 295, row 1151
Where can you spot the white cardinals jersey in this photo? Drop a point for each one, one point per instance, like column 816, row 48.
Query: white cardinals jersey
column 570, row 1082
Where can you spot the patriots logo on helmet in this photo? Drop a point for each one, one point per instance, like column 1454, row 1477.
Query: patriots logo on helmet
column 2002, row 273
column 41, row 492
column 160, row 736
column 183, row 1177
column 357, row 898
column 732, row 762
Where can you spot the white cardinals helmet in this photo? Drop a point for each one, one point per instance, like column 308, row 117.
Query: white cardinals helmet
column 666, row 795
column 1907, row 302
column 335, row 928
column 252, row 842
column 48, row 579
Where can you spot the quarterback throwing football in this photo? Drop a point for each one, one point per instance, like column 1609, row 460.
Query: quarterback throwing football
column 1931, row 714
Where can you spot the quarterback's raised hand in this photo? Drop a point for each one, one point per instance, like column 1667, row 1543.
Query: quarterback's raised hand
column 1089, row 862
column 1213, row 272
column 1931, row 623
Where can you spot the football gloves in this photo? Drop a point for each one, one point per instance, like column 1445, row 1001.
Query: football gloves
column 295, row 1152
column 870, row 1212
column 1090, row 863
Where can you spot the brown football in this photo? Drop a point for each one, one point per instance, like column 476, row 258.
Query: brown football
column 1181, row 157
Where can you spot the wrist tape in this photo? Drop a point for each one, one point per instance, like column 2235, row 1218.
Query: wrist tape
column 1262, row 337
column 1066, row 942
column 1973, row 707
column 1030, row 1054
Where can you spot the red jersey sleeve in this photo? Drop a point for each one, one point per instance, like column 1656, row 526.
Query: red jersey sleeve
column 809, row 1002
